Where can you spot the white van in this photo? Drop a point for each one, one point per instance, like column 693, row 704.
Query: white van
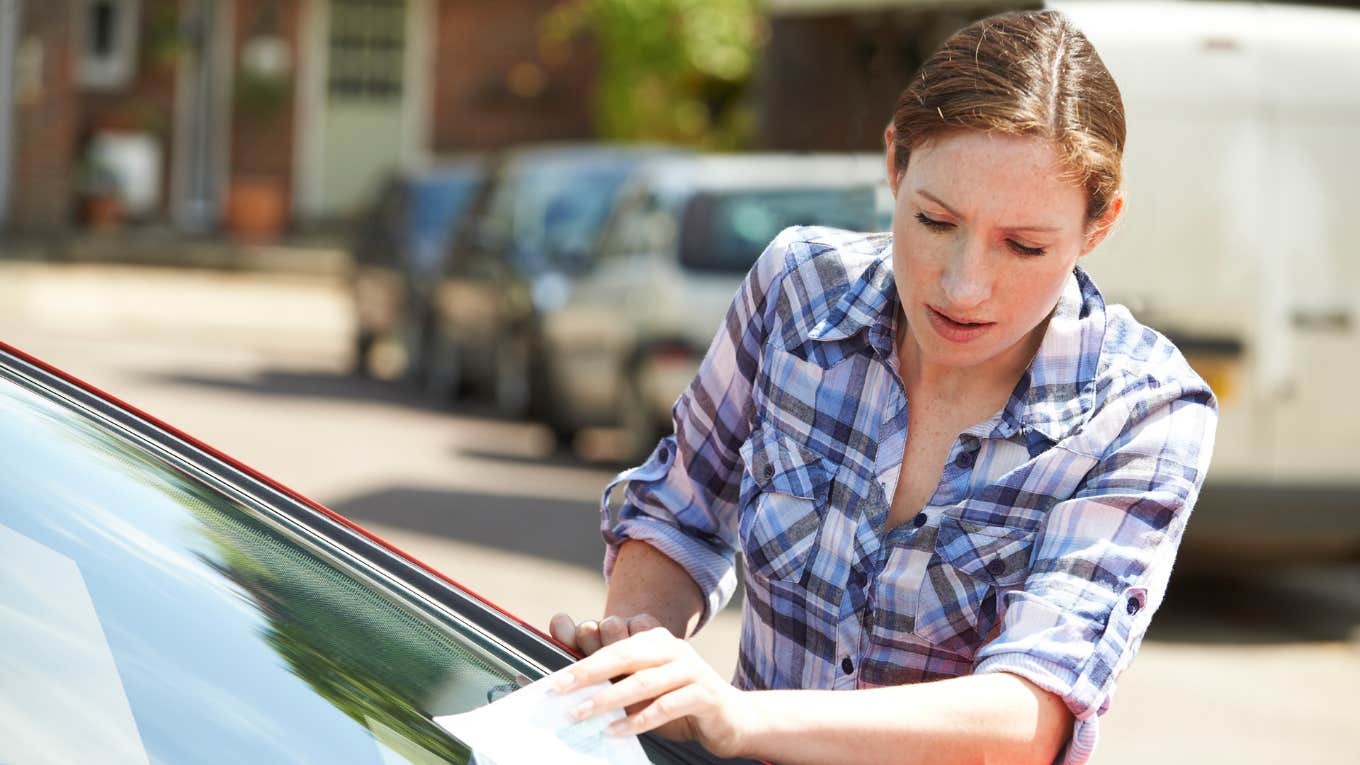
column 1241, row 241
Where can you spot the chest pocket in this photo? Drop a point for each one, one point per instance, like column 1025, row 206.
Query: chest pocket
column 783, row 499
column 959, row 593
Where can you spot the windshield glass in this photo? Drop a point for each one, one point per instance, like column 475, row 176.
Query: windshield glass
column 560, row 209
column 437, row 205
column 150, row 617
column 725, row 232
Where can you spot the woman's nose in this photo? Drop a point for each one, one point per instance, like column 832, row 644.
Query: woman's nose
column 967, row 280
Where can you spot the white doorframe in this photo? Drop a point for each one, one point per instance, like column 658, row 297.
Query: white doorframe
column 309, row 121
column 417, row 99
column 309, row 117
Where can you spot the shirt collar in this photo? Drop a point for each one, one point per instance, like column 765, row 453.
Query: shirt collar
column 1056, row 393
column 869, row 301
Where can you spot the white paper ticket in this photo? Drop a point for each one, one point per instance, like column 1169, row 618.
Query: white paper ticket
column 535, row 725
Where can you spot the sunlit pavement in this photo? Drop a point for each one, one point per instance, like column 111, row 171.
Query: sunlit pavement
column 1241, row 670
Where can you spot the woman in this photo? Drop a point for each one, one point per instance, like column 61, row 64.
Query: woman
column 958, row 478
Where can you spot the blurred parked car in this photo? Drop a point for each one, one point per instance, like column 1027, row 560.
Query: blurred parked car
column 164, row 603
column 535, row 230
column 397, row 254
column 631, row 333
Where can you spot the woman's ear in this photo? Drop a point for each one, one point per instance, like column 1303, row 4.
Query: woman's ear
column 890, row 155
column 1100, row 229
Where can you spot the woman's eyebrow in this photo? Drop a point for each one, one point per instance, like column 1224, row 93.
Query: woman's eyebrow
column 950, row 210
column 938, row 201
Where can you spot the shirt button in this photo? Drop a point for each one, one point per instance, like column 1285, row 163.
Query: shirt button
column 965, row 459
column 769, row 472
column 1133, row 606
column 662, row 454
column 919, row 520
column 847, row 666
column 996, row 568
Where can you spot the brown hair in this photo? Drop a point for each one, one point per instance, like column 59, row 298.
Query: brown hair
column 1023, row 73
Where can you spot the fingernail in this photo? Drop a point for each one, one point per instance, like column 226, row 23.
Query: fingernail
column 617, row 728
column 564, row 681
column 583, row 711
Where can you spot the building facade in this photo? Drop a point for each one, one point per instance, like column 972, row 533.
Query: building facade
column 262, row 114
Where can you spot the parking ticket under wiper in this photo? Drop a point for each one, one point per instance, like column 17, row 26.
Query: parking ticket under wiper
column 534, row 724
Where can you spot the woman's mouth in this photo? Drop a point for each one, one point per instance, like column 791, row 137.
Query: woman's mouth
column 954, row 329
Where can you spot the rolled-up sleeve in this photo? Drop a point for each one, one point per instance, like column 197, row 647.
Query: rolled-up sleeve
column 1101, row 559
column 683, row 499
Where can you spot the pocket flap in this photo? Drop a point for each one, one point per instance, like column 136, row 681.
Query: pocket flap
column 780, row 464
column 998, row 555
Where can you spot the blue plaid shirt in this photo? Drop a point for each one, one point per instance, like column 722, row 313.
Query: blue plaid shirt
column 1044, row 551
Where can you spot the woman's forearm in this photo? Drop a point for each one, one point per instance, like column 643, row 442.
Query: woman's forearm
column 988, row 718
column 645, row 581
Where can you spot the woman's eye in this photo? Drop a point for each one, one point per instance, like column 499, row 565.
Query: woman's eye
column 932, row 224
column 1023, row 250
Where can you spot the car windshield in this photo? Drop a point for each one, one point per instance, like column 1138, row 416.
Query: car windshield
column 150, row 616
column 437, row 205
column 560, row 208
column 726, row 231
column 150, row 612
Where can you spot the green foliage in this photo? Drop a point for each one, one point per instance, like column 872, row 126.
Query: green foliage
column 670, row 70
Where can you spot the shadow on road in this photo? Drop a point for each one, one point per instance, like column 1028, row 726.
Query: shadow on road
column 558, row 530
column 565, row 531
column 271, row 382
column 1286, row 605
column 341, row 387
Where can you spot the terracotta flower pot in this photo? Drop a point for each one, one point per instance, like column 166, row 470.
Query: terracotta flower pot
column 256, row 209
column 103, row 212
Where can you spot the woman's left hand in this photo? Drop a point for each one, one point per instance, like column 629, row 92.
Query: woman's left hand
column 668, row 688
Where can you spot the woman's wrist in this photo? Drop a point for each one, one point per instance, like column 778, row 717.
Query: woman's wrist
column 756, row 723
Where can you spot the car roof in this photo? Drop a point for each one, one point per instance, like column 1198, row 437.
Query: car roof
column 729, row 172
column 569, row 153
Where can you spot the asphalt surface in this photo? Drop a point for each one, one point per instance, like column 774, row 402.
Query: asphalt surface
column 1261, row 668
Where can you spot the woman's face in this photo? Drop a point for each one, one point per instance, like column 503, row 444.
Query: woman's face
column 985, row 234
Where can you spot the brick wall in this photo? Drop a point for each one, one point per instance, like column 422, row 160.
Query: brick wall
column 45, row 120
column 262, row 138
column 496, row 83
column 830, row 82
column 147, row 102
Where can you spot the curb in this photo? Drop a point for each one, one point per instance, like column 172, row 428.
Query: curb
column 319, row 256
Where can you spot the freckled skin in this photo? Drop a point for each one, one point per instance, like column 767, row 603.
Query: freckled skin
column 970, row 269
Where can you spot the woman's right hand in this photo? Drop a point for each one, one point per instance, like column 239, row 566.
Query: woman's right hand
column 587, row 637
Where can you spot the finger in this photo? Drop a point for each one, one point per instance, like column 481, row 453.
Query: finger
column 613, row 629
column 648, row 649
column 642, row 623
column 588, row 637
column 687, row 700
column 563, row 630
column 644, row 685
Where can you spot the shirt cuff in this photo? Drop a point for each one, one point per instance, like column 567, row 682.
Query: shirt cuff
column 714, row 572
column 1059, row 681
column 1081, row 673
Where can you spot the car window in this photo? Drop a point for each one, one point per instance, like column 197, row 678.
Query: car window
column 560, row 209
column 437, row 206
column 153, row 615
column 727, row 231
column 378, row 229
column 638, row 225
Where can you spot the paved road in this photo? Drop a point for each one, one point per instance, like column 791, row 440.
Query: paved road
column 1236, row 669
